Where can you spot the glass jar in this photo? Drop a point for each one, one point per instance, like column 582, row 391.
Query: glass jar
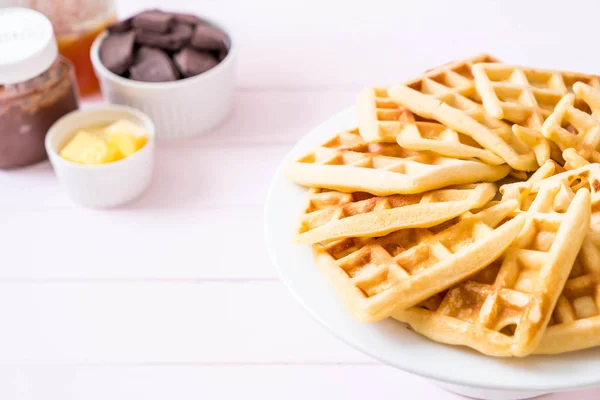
column 76, row 24
column 37, row 86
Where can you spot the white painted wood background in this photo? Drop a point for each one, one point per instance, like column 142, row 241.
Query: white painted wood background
column 174, row 297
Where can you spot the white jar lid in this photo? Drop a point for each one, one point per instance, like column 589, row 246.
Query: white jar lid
column 27, row 44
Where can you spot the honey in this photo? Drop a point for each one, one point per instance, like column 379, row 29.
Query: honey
column 76, row 48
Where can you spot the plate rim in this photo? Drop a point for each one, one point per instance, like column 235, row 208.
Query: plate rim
column 416, row 370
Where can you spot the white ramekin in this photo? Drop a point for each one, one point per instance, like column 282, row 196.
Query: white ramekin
column 183, row 108
column 104, row 185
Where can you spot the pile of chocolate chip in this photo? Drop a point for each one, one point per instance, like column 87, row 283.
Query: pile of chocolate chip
column 159, row 46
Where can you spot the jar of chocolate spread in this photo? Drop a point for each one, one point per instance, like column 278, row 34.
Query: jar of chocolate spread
column 37, row 86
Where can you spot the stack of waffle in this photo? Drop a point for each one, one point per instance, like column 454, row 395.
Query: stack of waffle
column 410, row 215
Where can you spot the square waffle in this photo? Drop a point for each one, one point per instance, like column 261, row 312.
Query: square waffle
column 374, row 276
column 575, row 321
column 335, row 215
column 503, row 311
column 349, row 164
column 525, row 96
column 380, row 118
column 457, row 105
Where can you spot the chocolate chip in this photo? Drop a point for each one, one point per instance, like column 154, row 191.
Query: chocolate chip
column 208, row 37
column 145, row 53
column 153, row 65
column 187, row 19
column 116, row 51
column 121, row 26
column 193, row 62
column 154, row 21
column 174, row 40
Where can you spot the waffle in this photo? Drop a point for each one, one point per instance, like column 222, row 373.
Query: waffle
column 380, row 119
column 431, row 136
column 587, row 177
column 575, row 322
column 525, row 96
column 577, row 126
column 349, row 164
column 461, row 110
column 373, row 276
column 332, row 215
column 569, row 181
column 503, row 310
column 573, row 161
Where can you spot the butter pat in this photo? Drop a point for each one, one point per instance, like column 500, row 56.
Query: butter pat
column 127, row 136
column 124, row 126
column 86, row 148
column 114, row 142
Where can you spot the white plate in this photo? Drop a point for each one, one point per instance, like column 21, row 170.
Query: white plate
column 390, row 341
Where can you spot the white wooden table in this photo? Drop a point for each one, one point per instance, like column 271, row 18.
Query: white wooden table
column 174, row 297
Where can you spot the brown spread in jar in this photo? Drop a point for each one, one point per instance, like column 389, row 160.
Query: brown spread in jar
column 28, row 109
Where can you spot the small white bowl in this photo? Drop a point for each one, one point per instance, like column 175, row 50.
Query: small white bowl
column 104, row 185
column 183, row 108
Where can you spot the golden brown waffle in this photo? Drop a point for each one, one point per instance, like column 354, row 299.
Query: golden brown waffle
column 503, row 311
column 569, row 181
column 335, row 215
column 577, row 126
column 380, row 119
column 461, row 110
column 435, row 137
column 349, row 164
column 525, row 96
column 587, row 177
column 373, row 276
column 575, row 322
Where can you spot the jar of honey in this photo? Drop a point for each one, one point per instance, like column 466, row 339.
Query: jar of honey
column 76, row 24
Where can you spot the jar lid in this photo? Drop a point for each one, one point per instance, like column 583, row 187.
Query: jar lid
column 27, row 44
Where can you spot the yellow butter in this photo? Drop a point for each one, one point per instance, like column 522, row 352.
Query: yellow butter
column 128, row 137
column 86, row 148
column 124, row 126
column 124, row 142
column 98, row 145
column 115, row 152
